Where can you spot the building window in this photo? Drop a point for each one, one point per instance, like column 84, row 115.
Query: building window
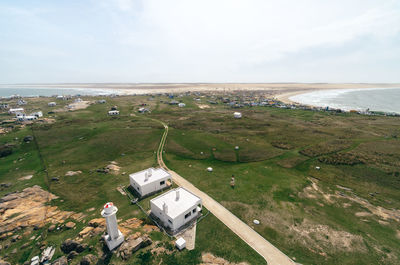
column 162, row 182
column 194, row 210
column 188, row 214
column 169, row 221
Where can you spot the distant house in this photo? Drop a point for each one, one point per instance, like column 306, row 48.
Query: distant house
column 15, row 111
column 101, row 101
column 181, row 105
column 176, row 208
column 113, row 112
column 60, row 97
column 237, row 115
column 3, row 106
column 143, row 110
column 51, row 104
column 150, row 181
column 38, row 114
column 21, row 102
column 30, row 118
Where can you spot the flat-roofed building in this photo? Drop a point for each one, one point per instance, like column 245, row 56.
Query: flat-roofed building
column 149, row 181
column 176, row 208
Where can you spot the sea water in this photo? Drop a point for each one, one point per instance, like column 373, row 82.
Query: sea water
column 374, row 99
column 8, row 91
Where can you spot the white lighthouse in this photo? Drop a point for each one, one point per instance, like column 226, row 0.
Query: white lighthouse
column 114, row 237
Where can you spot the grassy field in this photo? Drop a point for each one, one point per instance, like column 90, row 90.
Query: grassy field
column 88, row 140
column 324, row 186
column 326, row 216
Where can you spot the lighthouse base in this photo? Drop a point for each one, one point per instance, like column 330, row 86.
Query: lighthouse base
column 113, row 243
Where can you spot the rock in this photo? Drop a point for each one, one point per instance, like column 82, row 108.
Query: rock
column 69, row 245
column 14, row 251
column 28, row 138
column 89, row 260
column 70, row 225
column 51, row 228
column 60, row 261
column 72, row 255
column 133, row 244
column 25, row 245
column 5, row 185
column 81, row 248
column 15, row 238
column 2, row 262
column 85, row 232
column 97, row 222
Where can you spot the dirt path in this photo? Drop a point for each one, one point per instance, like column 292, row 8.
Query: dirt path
column 269, row 252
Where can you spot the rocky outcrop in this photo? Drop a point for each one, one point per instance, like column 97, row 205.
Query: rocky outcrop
column 133, row 244
column 60, row 261
column 29, row 208
column 89, row 260
column 70, row 245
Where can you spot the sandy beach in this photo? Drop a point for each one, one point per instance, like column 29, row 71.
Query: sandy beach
column 281, row 91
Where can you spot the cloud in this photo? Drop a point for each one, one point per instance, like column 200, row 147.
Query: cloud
column 214, row 40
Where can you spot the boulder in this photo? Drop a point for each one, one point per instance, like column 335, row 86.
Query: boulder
column 60, row 261
column 70, row 225
column 89, row 260
column 97, row 222
column 2, row 262
column 51, row 228
column 72, row 255
column 28, row 138
column 133, row 244
column 81, row 248
column 69, row 245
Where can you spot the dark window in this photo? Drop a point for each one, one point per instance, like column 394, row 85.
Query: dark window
column 169, row 221
column 188, row 214
column 194, row 210
column 162, row 182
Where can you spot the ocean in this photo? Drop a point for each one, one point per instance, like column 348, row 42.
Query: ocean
column 8, row 91
column 374, row 99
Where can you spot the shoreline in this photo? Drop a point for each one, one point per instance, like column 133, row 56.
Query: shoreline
column 280, row 91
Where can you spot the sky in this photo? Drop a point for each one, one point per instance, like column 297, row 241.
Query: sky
column 149, row 41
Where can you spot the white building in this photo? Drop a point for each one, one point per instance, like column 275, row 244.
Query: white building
column 15, row 111
column 237, row 115
column 114, row 237
column 51, row 104
column 113, row 112
column 38, row 114
column 176, row 208
column 149, row 181
column 30, row 118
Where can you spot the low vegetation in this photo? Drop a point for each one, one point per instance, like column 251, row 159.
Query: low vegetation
column 323, row 185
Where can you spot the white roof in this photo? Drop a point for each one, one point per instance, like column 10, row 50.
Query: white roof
column 176, row 207
column 17, row 109
column 156, row 175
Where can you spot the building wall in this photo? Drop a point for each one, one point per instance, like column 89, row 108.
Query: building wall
column 150, row 187
column 178, row 221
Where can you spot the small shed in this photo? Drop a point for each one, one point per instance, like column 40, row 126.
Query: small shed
column 51, row 104
column 149, row 181
column 237, row 115
column 113, row 112
column 180, row 243
column 176, row 208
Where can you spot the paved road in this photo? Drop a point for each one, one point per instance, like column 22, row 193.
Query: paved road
column 271, row 254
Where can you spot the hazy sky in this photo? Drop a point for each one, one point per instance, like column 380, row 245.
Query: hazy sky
column 199, row 41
